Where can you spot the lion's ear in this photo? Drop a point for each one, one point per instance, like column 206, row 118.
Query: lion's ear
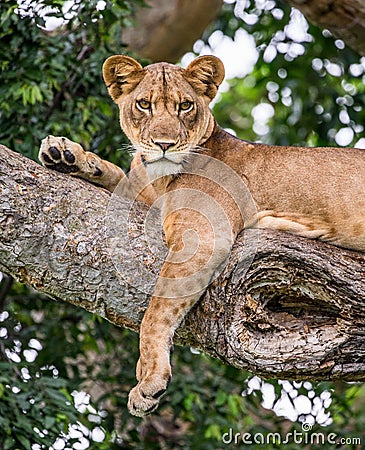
column 121, row 75
column 205, row 74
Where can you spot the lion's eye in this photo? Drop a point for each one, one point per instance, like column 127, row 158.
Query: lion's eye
column 143, row 104
column 186, row 106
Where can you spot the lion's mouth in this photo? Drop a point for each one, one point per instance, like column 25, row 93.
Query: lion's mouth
column 175, row 159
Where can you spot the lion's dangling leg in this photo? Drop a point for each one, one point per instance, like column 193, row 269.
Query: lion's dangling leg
column 156, row 343
column 197, row 248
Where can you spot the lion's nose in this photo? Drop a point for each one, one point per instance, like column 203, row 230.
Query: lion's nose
column 164, row 146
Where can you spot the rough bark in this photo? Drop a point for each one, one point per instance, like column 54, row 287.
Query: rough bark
column 167, row 29
column 283, row 306
column 344, row 18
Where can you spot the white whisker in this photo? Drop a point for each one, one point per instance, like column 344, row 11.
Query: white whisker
column 197, row 149
column 128, row 148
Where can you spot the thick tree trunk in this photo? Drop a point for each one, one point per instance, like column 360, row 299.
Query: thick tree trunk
column 344, row 18
column 283, row 306
column 167, row 29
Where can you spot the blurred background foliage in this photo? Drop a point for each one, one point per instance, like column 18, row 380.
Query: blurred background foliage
column 65, row 374
column 311, row 84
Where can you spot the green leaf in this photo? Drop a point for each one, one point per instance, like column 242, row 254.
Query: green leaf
column 9, row 443
column 233, row 404
column 49, row 422
column 26, row 444
column 221, row 398
column 213, row 431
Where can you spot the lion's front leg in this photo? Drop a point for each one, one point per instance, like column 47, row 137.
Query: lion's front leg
column 197, row 249
column 65, row 156
column 156, row 344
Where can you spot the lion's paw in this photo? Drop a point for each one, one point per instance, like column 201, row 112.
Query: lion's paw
column 145, row 397
column 61, row 154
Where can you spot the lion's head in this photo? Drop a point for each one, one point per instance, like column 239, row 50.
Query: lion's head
column 164, row 109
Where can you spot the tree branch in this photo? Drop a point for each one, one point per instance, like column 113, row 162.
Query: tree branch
column 344, row 18
column 283, row 307
column 166, row 29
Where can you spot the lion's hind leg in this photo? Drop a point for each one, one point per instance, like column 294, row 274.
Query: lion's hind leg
column 311, row 227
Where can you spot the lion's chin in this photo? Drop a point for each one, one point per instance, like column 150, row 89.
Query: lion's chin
column 161, row 168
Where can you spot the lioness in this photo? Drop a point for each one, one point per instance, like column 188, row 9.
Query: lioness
column 182, row 152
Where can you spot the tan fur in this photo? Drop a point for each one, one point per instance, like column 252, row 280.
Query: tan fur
column 316, row 193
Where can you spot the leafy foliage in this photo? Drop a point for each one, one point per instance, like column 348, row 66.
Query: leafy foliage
column 51, row 81
column 35, row 406
column 312, row 84
column 83, row 352
column 50, row 352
